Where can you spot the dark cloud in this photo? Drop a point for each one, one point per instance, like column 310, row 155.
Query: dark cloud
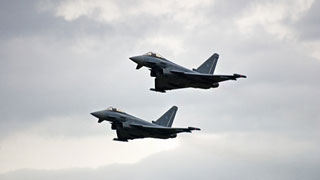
column 19, row 18
column 47, row 64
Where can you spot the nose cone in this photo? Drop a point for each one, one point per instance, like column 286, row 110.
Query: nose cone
column 136, row 59
column 97, row 114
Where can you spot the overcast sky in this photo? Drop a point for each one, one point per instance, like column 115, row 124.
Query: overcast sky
column 61, row 60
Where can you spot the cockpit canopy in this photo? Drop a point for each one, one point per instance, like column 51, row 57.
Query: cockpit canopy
column 154, row 55
column 114, row 109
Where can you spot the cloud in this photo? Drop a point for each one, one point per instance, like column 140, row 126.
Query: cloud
column 31, row 150
column 114, row 11
column 61, row 60
column 64, row 76
column 273, row 17
column 306, row 27
column 224, row 156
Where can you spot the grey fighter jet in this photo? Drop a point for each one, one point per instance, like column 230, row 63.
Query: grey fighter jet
column 129, row 127
column 169, row 76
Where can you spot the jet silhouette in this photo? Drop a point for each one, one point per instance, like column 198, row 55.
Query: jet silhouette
column 169, row 76
column 129, row 127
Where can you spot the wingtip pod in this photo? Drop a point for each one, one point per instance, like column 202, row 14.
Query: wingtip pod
column 157, row 90
column 120, row 140
column 239, row 76
column 194, row 129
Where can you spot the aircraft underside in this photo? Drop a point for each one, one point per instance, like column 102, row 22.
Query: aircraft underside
column 130, row 134
column 163, row 83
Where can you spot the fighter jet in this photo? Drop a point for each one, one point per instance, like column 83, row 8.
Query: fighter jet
column 169, row 76
column 129, row 127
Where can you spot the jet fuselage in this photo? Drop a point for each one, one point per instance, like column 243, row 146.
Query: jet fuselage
column 173, row 76
column 130, row 127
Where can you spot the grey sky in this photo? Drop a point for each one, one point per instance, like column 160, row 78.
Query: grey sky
column 61, row 60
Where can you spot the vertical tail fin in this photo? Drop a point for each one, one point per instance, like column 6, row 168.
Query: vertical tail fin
column 167, row 118
column 209, row 65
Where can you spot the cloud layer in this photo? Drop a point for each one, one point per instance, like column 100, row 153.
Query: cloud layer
column 61, row 60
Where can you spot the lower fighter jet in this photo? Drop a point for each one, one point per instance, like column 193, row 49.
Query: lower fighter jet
column 172, row 76
column 129, row 127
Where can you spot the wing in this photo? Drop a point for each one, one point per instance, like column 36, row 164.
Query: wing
column 166, row 130
column 207, row 77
